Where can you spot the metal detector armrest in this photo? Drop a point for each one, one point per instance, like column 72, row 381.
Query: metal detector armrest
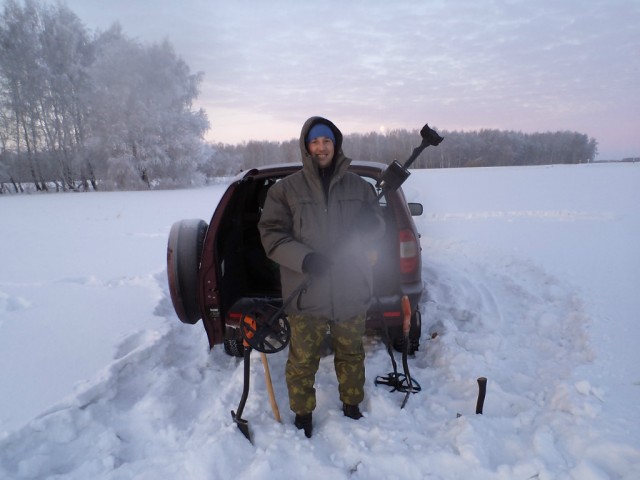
column 393, row 177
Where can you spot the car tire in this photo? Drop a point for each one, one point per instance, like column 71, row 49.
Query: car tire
column 234, row 347
column 414, row 335
column 233, row 344
column 184, row 251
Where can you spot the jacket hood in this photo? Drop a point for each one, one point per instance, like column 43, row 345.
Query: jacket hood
column 310, row 123
column 338, row 156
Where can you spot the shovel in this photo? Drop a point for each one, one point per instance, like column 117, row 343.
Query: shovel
column 250, row 328
column 243, row 425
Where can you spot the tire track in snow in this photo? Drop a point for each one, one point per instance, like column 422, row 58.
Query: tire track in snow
column 509, row 313
column 557, row 215
column 512, row 322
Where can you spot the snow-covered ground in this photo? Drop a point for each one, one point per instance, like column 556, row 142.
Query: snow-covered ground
column 533, row 276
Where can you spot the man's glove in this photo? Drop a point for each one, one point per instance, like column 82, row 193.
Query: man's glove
column 367, row 220
column 315, row 264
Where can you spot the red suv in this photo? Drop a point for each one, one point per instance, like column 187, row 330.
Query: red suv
column 219, row 271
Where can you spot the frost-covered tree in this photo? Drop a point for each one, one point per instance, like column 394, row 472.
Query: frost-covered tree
column 83, row 110
column 141, row 112
column 66, row 53
column 44, row 52
column 20, row 54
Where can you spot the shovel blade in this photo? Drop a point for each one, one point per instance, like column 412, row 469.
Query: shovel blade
column 243, row 425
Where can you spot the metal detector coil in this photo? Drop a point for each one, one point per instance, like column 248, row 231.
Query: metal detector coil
column 398, row 382
column 265, row 328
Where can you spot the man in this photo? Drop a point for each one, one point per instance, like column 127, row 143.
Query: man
column 318, row 222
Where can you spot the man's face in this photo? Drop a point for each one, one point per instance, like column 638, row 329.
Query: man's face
column 321, row 148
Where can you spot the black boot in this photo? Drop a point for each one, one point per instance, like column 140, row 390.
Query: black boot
column 351, row 411
column 303, row 422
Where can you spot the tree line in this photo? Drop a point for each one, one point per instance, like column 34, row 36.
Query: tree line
column 88, row 111
column 482, row 148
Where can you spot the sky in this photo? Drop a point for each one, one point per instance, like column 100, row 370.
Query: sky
column 380, row 65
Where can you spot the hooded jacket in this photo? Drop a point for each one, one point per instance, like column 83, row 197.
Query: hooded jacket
column 299, row 218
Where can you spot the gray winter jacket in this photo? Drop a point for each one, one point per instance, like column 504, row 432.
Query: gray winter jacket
column 298, row 218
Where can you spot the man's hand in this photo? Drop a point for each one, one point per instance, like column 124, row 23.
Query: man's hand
column 315, row 264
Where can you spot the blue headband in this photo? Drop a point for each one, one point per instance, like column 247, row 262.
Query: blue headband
column 320, row 130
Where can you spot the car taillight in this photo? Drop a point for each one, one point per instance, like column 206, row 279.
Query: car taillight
column 409, row 251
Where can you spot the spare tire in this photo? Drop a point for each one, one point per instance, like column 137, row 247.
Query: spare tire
column 184, row 251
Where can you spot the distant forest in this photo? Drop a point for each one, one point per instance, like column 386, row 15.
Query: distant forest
column 101, row 111
column 482, row 148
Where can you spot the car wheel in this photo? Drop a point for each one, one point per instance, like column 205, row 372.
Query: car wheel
column 184, row 251
column 414, row 335
column 233, row 344
column 234, row 347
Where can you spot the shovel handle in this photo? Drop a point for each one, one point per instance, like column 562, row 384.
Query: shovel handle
column 267, row 379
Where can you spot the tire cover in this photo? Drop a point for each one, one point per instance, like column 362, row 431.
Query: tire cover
column 184, row 251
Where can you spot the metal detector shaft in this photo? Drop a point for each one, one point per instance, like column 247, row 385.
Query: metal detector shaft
column 405, row 365
column 406, row 328
column 303, row 285
column 415, row 154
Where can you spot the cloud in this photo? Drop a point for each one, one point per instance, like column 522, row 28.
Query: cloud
column 511, row 64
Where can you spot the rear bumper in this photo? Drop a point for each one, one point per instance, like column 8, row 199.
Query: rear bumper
column 384, row 311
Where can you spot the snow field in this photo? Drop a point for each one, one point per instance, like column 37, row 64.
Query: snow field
column 517, row 297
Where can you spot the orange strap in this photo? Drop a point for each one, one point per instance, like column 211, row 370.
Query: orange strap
column 406, row 311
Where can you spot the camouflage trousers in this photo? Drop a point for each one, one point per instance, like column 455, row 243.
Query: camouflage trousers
column 307, row 336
